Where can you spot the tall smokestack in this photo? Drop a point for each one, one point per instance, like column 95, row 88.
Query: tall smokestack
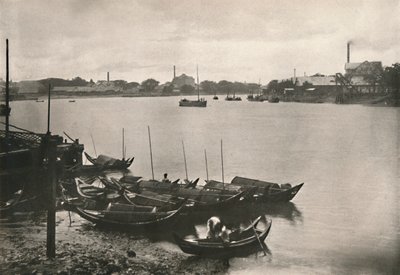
column 108, row 77
column 174, row 72
column 348, row 52
column 294, row 76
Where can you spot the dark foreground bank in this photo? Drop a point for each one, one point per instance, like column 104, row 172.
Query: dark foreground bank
column 84, row 249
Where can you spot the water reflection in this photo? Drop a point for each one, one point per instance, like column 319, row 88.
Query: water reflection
column 287, row 211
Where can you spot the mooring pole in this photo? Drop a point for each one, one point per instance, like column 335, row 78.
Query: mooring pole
column 205, row 155
column 184, row 158
column 151, row 153
column 48, row 111
column 51, row 188
column 123, row 144
column 222, row 164
column 7, row 93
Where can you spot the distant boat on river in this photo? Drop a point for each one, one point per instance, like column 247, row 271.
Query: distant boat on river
column 200, row 102
column 273, row 99
column 233, row 98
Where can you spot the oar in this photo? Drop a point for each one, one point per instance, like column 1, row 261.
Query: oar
column 259, row 241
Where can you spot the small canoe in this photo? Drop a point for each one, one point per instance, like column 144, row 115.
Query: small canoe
column 239, row 242
column 129, row 216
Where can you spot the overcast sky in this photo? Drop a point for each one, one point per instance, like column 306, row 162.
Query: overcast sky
column 229, row 39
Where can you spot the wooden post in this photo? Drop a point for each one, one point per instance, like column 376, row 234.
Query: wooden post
column 51, row 189
column 48, row 111
column 205, row 155
column 222, row 164
column 151, row 153
column 7, row 93
column 123, row 144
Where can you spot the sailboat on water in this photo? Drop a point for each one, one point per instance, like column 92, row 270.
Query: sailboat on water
column 233, row 98
column 200, row 102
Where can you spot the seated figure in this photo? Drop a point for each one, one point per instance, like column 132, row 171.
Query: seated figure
column 216, row 230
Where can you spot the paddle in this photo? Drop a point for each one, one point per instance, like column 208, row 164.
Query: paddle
column 259, row 241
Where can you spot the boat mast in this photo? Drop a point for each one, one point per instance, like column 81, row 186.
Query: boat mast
column 184, row 158
column 48, row 111
column 222, row 164
column 123, row 144
column 198, row 90
column 94, row 146
column 151, row 154
column 205, row 155
column 7, row 93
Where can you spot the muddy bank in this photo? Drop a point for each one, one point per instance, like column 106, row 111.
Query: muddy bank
column 83, row 248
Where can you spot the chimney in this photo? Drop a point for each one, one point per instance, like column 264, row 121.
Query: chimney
column 108, row 77
column 294, row 76
column 174, row 72
column 348, row 52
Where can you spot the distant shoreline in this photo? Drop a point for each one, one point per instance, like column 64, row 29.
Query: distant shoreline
column 364, row 99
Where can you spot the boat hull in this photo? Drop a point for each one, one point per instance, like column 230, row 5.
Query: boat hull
column 193, row 103
column 216, row 249
column 130, row 220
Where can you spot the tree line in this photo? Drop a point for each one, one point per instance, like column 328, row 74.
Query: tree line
column 389, row 78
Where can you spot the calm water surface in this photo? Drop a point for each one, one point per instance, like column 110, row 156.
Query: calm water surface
column 345, row 219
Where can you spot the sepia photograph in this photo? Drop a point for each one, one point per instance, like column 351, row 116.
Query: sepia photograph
column 200, row 137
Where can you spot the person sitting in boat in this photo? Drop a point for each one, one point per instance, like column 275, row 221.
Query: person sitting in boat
column 216, row 230
column 165, row 179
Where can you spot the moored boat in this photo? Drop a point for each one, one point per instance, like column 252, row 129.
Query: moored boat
column 108, row 163
column 201, row 102
column 126, row 216
column 238, row 243
column 268, row 191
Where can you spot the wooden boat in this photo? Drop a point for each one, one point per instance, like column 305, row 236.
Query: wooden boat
column 105, row 162
column 88, row 191
column 204, row 200
column 129, row 216
column 256, row 98
column 215, row 97
column 7, row 204
column 233, row 98
column 200, row 102
column 146, row 198
column 273, row 99
column 199, row 199
column 238, row 242
column 268, row 191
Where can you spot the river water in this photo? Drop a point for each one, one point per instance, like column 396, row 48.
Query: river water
column 343, row 221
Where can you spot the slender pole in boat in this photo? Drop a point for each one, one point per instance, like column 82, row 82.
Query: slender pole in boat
column 94, row 146
column 184, row 158
column 198, row 91
column 48, row 111
column 123, row 144
column 151, row 154
column 205, row 155
column 259, row 241
column 222, row 164
column 7, row 93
